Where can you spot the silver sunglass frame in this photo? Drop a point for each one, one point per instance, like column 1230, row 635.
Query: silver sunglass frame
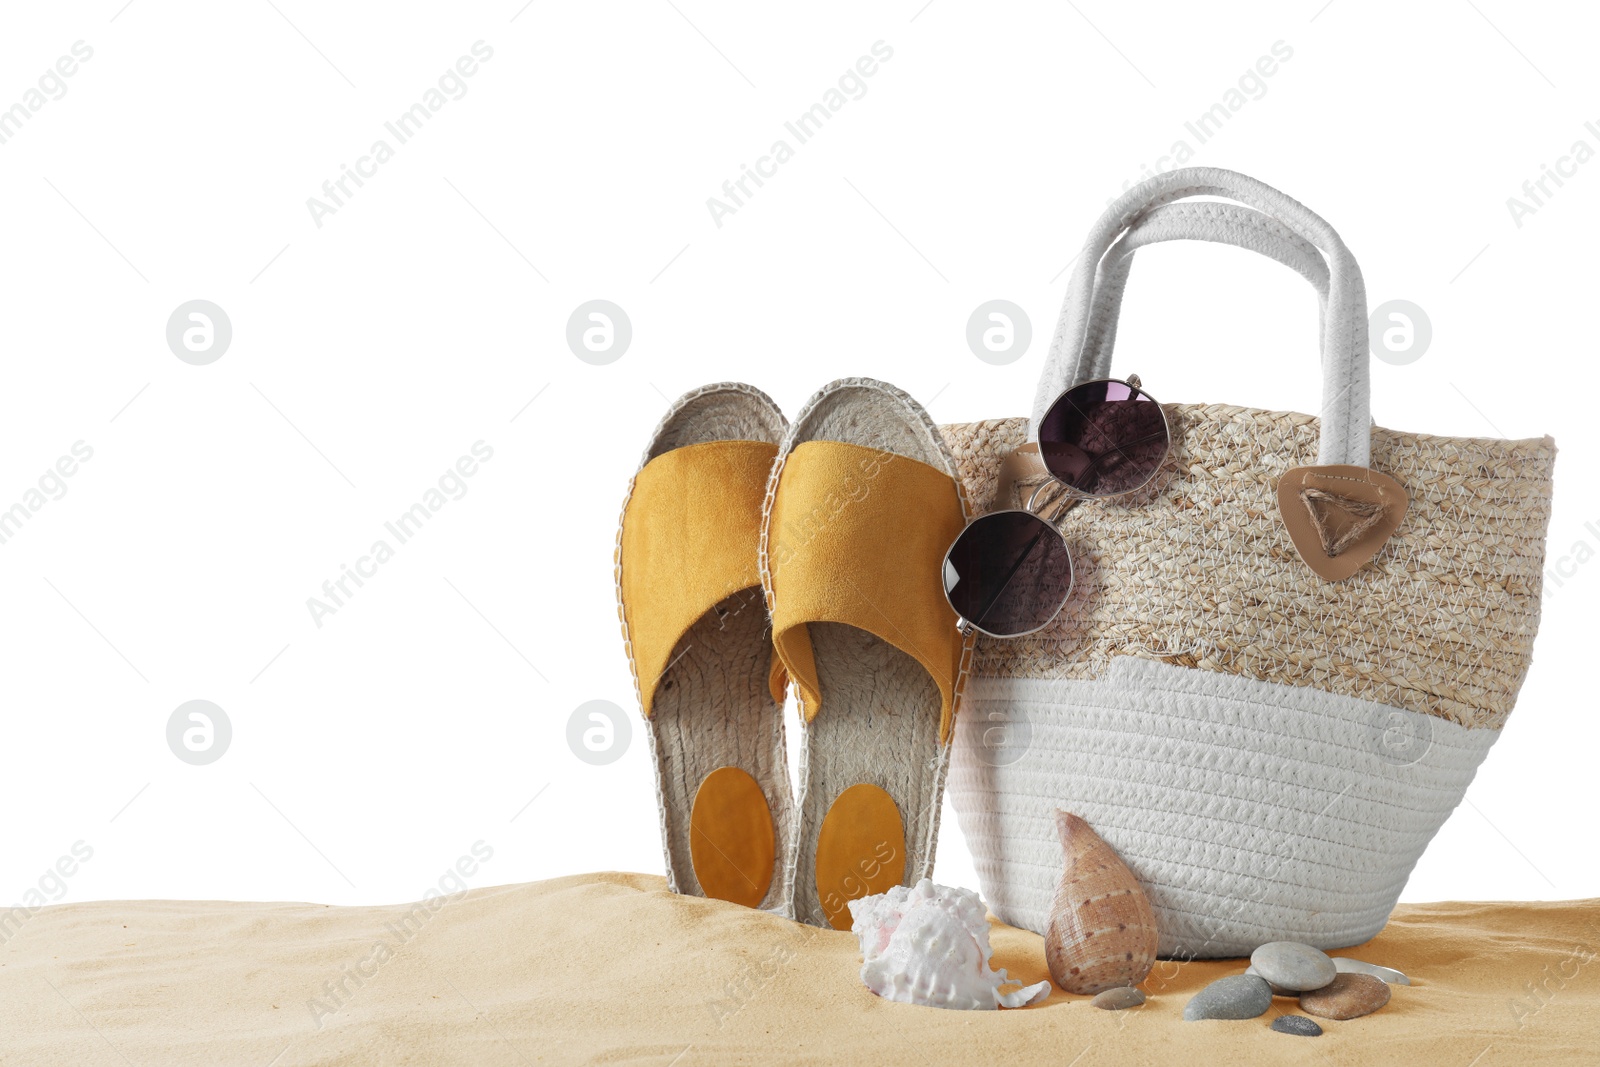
column 1023, row 464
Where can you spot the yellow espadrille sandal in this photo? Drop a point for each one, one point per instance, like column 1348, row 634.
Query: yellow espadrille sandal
column 700, row 646
column 861, row 507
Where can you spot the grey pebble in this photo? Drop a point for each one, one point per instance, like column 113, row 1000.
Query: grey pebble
column 1239, row 996
column 1298, row 1025
column 1277, row 991
column 1116, row 999
column 1292, row 965
column 1347, row 965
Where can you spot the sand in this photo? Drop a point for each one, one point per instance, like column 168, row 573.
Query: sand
column 611, row 968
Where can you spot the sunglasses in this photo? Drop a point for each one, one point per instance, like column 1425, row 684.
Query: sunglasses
column 1009, row 573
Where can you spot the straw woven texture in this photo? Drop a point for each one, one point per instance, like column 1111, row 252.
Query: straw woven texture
column 1198, row 570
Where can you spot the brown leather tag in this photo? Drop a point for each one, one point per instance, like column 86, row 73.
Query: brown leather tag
column 1340, row 516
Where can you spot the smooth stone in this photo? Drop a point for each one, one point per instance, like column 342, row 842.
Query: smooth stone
column 1277, row 990
column 1348, row 996
column 1123, row 996
column 1347, row 965
column 1239, row 996
column 1298, row 1025
column 1292, row 965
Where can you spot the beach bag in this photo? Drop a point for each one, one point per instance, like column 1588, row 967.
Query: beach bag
column 1269, row 750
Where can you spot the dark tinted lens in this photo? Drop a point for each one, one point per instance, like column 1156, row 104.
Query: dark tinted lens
column 1103, row 438
column 1008, row 573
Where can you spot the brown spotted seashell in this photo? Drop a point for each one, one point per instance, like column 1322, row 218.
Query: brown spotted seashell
column 1102, row 932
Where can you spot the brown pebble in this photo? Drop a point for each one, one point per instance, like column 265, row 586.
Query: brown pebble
column 1124, row 996
column 1348, row 996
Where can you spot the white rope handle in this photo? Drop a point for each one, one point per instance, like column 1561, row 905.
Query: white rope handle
column 1346, row 388
column 1223, row 223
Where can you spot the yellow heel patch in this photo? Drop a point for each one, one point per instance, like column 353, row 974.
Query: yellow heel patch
column 731, row 840
column 861, row 850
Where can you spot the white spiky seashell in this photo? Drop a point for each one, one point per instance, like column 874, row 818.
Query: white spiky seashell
column 929, row 944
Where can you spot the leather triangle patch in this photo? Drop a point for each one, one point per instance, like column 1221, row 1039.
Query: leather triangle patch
column 1340, row 516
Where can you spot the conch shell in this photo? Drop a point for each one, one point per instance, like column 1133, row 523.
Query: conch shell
column 929, row 944
column 1102, row 931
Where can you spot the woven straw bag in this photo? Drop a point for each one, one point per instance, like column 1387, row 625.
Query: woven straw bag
column 1269, row 751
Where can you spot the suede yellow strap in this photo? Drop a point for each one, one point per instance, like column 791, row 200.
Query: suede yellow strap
column 858, row 536
column 689, row 541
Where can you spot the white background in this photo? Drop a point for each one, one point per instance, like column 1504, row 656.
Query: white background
column 428, row 311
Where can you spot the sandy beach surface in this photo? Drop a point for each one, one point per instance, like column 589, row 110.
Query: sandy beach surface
column 612, row 968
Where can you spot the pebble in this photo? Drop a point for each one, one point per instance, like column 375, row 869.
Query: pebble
column 1239, row 996
column 1277, row 990
column 1123, row 996
column 1388, row 974
column 1298, row 1025
column 1292, row 965
column 1348, row 996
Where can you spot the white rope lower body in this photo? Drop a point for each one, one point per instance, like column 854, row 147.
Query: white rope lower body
column 1251, row 811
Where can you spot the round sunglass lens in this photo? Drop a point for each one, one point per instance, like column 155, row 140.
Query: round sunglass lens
column 1008, row 573
column 1103, row 438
